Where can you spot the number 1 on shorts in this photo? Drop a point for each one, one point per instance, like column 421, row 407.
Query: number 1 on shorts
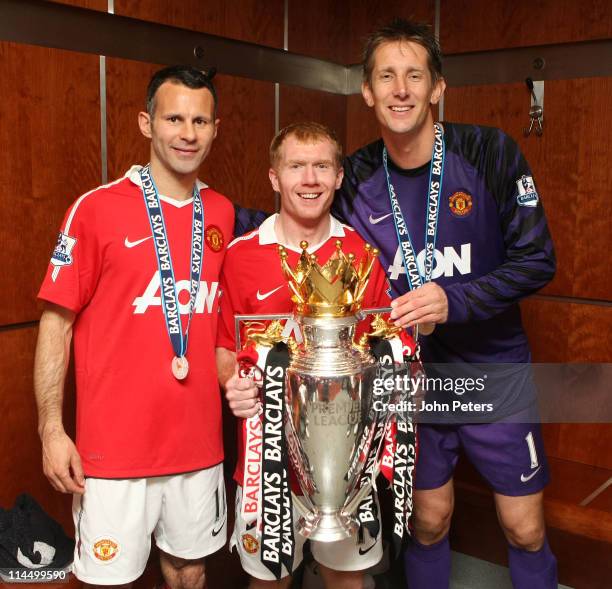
column 532, row 450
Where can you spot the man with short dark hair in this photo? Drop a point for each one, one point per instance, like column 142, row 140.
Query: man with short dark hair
column 135, row 277
column 463, row 242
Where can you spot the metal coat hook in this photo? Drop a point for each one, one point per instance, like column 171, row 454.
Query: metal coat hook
column 536, row 112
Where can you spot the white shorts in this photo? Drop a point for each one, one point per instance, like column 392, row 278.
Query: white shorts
column 115, row 518
column 344, row 555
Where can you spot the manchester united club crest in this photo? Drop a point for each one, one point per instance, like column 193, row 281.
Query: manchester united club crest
column 460, row 204
column 214, row 238
column 250, row 543
column 105, row 550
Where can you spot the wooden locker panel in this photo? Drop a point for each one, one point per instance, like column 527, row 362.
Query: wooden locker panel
column 593, row 257
column 301, row 104
column 591, row 335
column 367, row 15
column 571, row 333
column 569, row 167
column 569, row 164
column 362, row 127
column 245, row 20
column 550, row 433
column 238, row 163
column 50, row 142
column 20, row 459
column 479, row 25
column 318, row 28
column 126, row 86
column 574, row 482
column 564, row 332
column 100, row 5
column 584, row 443
column 547, row 325
column 588, row 443
column 603, row 502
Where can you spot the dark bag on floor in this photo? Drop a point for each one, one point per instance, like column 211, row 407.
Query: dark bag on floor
column 29, row 538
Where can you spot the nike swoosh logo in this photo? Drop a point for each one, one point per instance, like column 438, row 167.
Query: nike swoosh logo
column 216, row 532
column 377, row 221
column 263, row 297
column 130, row 244
column 524, row 478
column 362, row 551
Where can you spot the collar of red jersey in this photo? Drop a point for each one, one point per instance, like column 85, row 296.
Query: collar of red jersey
column 134, row 176
column 267, row 233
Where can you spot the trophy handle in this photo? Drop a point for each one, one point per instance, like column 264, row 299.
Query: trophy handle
column 352, row 505
column 355, row 497
column 304, row 505
column 239, row 319
column 380, row 328
column 363, row 313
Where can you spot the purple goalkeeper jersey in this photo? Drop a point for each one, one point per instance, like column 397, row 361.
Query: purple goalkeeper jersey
column 493, row 246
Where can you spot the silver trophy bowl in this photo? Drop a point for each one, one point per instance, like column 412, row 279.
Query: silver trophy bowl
column 329, row 426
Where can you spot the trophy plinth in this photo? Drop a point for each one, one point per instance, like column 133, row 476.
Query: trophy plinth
column 327, row 527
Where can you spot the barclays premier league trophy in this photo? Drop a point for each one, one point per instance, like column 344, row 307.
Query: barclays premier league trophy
column 323, row 413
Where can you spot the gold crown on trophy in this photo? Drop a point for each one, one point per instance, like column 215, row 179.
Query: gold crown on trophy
column 335, row 289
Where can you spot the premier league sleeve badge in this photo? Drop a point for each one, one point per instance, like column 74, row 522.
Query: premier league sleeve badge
column 527, row 194
column 62, row 254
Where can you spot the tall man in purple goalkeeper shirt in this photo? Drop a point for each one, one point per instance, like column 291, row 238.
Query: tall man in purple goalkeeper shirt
column 456, row 215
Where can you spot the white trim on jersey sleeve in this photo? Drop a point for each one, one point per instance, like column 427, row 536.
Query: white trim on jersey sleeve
column 79, row 200
column 64, row 231
column 245, row 237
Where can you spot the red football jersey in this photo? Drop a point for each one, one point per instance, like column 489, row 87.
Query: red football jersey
column 134, row 419
column 252, row 282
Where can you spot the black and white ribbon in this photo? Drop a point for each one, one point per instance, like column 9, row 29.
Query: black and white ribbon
column 277, row 539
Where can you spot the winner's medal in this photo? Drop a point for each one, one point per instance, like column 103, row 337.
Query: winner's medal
column 169, row 295
column 180, row 367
